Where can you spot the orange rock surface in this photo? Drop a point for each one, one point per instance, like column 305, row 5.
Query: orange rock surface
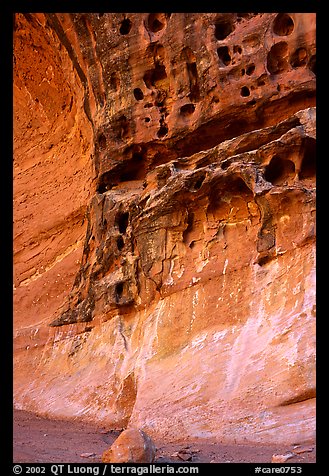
column 164, row 209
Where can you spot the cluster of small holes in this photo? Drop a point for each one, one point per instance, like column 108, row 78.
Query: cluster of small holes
column 155, row 78
column 277, row 58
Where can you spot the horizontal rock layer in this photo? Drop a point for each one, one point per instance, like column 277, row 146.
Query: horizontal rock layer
column 165, row 222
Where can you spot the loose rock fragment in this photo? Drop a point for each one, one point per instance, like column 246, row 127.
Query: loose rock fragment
column 276, row 458
column 307, row 449
column 132, row 446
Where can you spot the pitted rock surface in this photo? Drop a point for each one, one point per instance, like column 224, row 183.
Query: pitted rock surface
column 164, row 222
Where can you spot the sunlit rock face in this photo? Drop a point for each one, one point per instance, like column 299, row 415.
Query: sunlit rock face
column 164, row 207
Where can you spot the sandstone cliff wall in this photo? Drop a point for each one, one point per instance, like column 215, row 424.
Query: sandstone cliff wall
column 164, row 206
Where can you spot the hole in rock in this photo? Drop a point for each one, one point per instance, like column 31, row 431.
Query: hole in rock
column 192, row 244
column 250, row 69
column 147, row 119
column 237, row 49
column 162, row 131
column 124, row 171
column 283, row 24
column 156, row 22
column 121, row 127
column 152, row 76
column 187, row 109
column 148, row 79
column 279, row 170
column 224, row 55
column 157, row 51
column 121, row 221
column 138, row 93
column 198, row 183
column 125, row 26
column 308, row 166
column 119, row 291
column 194, row 94
column 312, row 64
column 223, row 28
column 251, row 41
column 162, row 176
column 265, row 259
column 120, row 243
column 103, row 184
column 188, row 55
column 245, row 91
column 277, row 58
column 299, row 58
column 134, row 168
column 243, row 72
column 189, row 228
column 114, row 82
column 102, row 141
column 226, row 163
column 239, row 187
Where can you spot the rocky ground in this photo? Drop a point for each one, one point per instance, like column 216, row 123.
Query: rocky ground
column 40, row 440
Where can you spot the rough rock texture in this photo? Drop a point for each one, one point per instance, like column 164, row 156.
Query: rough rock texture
column 132, row 446
column 164, row 222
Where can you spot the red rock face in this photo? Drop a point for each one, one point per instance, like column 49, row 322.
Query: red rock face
column 165, row 270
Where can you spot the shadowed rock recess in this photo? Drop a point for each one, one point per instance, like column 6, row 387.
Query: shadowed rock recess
column 164, row 235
